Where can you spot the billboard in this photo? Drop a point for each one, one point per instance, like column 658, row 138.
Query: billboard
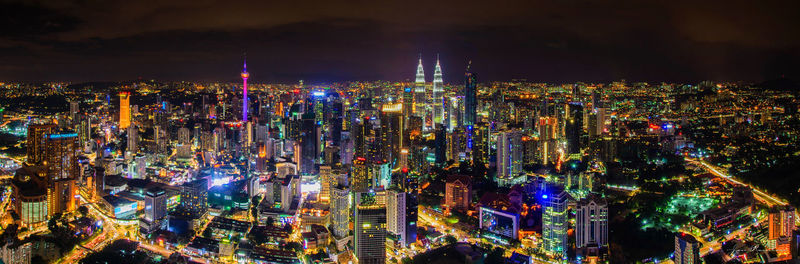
column 498, row 224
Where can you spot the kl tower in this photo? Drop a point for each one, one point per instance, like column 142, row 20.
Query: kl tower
column 245, row 102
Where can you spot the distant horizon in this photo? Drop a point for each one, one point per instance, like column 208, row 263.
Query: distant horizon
column 251, row 81
column 551, row 42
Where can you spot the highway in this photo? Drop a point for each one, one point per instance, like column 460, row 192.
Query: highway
column 761, row 196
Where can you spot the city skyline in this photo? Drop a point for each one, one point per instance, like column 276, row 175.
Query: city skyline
column 524, row 132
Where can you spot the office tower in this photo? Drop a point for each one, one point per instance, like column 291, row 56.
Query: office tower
column 687, row 249
column 603, row 118
column 370, row 230
column 62, row 170
column 774, row 221
column 438, row 92
column 396, row 214
column 133, row 140
column 290, row 190
column 509, row 156
column 155, row 204
column 245, row 100
column 327, row 181
column 36, row 141
column 194, row 197
column 591, row 222
column 420, row 99
column 391, row 133
column 470, row 97
column 361, row 177
column 574, row 127
column 787, row 221
column 29, row 187
column 124, row 110
column 440, row 146
column 99, row 178
column 457, row 192
column 84, row 130
column 411, row 189
column 781, row 222
column 15, row 251
column 408, row 104
column 554, row 220
column 548, row 134
column 74, row 108
column 340, row 210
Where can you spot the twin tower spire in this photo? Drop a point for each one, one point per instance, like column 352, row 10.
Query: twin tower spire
column 429, row 105
column 437, row 73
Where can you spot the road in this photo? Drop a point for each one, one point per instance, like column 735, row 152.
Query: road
column 759, row 195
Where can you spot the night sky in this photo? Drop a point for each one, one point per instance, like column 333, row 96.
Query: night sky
column 327, row 41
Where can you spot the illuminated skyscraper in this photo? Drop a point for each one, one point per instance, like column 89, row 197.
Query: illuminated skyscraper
column 470, row 94
column 360, row 178
column 370, row 229
column 509, row 157
column 458, row 190
column 124, row 110
column 396, row 214
column 438, row 92
column 687, row 249
column 37, row 137
column 574, row 127
column 245, row 101
column 340, row 210
column 591, row 222
column 554, row 220
column 419, row 91
column 62, row 170
column 408, row 104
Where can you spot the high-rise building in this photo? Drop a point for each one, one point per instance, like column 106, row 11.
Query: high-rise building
column 124, row 110
column 370, row 229
column 438, row 92
column 787, row 221
column 29, row 187
column 396, row 214
column 62, row 170
column 591, row 222
column 554, row 220
column 687, row 249
column 408, row 104
column 470, row 97
column 574, row 127
column 327, row 180
column 194, row 197
column 74, row 108
column 457, row 192
column 781, row 222
column 361, row 176
column 155, row 204
column 509, row 157
column 133, row 140
column 340, row 210
column 411, row 188
column 37, row 137
column 420, row 99
column 245, row 100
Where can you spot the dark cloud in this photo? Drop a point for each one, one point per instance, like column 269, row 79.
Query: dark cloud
column 324, row 41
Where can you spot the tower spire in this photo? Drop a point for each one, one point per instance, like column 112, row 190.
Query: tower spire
column 245, row 103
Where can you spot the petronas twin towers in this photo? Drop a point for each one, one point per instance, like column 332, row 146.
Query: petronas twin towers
column 429, row 102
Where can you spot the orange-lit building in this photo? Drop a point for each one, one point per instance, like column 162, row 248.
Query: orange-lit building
column 124, row 110
column 458, row 189
column 61, row 161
